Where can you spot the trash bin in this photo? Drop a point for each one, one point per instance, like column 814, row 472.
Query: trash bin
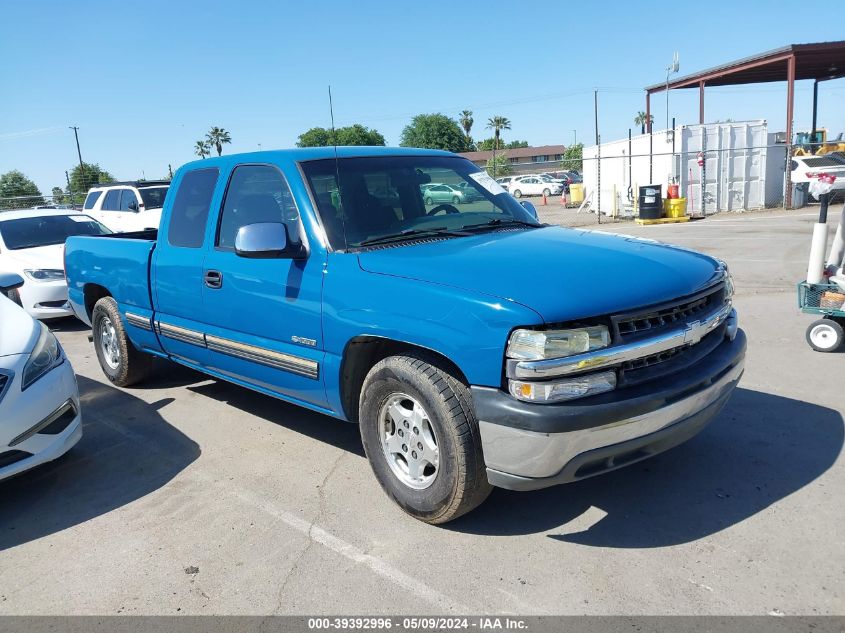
column 651, row 202
column 576, row 193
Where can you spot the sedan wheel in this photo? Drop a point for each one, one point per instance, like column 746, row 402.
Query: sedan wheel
column 517, row 193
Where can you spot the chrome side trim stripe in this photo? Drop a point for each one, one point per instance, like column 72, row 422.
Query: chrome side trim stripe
column 687, row 335
column 180, row 334
column 139, row 321
column 279, row 360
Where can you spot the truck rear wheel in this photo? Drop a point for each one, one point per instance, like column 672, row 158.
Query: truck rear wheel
column 421, row 437
column 121, row 362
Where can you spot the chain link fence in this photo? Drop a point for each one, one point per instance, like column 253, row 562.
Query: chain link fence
column 64, row 201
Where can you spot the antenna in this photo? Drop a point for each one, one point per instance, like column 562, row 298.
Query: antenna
column 337, row 173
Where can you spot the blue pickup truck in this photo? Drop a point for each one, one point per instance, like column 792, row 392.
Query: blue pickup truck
column 474, row 345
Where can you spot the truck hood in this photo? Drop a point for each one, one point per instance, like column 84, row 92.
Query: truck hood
column 562, row 274
column 51, row 256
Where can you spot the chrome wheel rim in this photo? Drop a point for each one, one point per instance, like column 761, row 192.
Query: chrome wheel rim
column 408, row 441
column 823, row 336
column 108, row 343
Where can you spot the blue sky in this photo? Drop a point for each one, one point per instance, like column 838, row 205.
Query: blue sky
column 145, row 80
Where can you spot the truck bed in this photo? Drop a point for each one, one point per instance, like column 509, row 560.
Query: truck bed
column 117, row 264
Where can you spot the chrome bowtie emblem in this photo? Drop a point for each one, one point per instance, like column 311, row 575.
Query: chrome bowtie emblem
column 693, row 333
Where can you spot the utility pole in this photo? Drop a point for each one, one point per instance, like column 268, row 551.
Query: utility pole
column 574, row 137
column 69, row 188
column 596, row 111
column 79, row 153
column 170, row 170
column 672, row 68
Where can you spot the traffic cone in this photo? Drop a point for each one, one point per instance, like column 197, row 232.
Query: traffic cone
column 544, row 200
column 563, row 200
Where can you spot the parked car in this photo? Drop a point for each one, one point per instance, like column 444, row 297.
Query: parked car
column 127, row 206
column 534, row 186
column 440, row 193
column 463, row 370
column 32, row 245
column 40, row 416
column 505, row 181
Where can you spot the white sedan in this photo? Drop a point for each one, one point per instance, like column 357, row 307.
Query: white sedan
column 40, row 417
column 533, row 186
column 32, row 245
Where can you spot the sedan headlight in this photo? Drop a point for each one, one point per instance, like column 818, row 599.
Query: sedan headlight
column 542, row 344
column 45, row 274
column 46, row 355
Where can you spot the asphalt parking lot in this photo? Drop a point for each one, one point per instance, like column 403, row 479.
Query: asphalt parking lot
column 193, row 496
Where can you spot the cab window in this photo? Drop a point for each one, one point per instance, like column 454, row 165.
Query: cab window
column 127, row 197
column 256, row 193
column 112, row 200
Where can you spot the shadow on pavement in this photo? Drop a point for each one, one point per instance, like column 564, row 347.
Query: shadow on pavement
column 126, row 452
column 760, row 449
column 322, row 428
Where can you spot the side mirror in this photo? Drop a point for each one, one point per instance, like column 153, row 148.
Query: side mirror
column 133, row 206
column 10, row 281
column 530, row 208
column 265, row 240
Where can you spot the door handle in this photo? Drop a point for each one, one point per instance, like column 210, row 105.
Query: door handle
column 213, row 278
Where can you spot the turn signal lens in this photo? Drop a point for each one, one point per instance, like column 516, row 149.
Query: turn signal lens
column 562, row 390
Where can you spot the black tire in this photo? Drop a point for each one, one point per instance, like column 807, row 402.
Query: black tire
column 547, row 192
column 132, row 366
column 456, row 200
column 428, row 202
column 825, row 335
column 460, row 482
column 517, row 193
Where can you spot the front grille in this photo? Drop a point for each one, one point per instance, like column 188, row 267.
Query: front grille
column 651, row 322
column 669, row 362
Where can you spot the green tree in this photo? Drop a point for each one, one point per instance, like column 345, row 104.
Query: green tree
column 82, row 179
column 202, row 149
column 515, row 144
column 497, row 124
column 58, row 195
column 573, row 157
column 435, row 131
column 466, row 121
column 14, row 184
column 643, row 120
column 216, row 137
column 498, row 165
column 355, row 134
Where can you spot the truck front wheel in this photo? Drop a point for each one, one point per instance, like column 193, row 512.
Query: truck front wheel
column 421, row 437
column 121, row 362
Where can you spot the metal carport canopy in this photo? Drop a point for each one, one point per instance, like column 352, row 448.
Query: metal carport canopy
column 819, row 61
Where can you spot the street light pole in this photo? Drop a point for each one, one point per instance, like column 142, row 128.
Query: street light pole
column 79, row 154
column 672, row 68
column 574, row 137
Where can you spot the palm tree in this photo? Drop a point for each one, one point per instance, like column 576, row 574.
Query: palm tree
column 216, row 137
column 497, row 124
column 642, row 119
column 466, row 121
column 202, row 149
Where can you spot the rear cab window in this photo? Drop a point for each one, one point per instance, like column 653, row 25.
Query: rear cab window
column 91, row 199
column 189, row 214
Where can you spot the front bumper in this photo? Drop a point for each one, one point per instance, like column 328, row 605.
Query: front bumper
column 40, row 424
column 530, row 446
column 45, row 300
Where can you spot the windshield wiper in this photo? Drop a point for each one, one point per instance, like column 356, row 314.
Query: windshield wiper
column 502, row 222
column 411, row 234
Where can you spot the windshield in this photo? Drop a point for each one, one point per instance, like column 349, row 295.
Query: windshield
column 153, row 197
column 384, row 196
column 46, row 230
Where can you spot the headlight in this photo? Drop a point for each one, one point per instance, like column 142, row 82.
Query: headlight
column 560, row 390
column 45, row 274
column 539, row 344
column 45, row 355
